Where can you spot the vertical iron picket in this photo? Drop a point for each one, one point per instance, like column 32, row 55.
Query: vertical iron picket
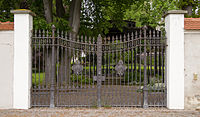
column 99, row 64
column 145, row 89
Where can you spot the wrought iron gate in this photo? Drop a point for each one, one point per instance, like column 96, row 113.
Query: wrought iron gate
column 80, row 71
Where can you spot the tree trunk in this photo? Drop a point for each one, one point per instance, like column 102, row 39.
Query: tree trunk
column 74, row 16
column 189, row 9
column 63, row 79
column 48, row 54
column 24, row 4
column 60, row 11
column 74, row 23
column 19, row 4
column 48, row 68
column 48, row 10
column 68, row 65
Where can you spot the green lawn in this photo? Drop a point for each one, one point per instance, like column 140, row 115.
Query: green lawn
column 37, row 78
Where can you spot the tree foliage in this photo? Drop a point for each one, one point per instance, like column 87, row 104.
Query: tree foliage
column 5, row 7
column 97, row 16
column 103, row 14
column 150, row 12
column 192, row 6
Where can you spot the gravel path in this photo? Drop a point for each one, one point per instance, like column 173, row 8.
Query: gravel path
column 99, row 112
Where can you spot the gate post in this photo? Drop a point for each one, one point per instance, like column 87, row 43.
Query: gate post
column 53, row 68
column 99, row 74
column 23, row 24
column 174, row 26
column 145, row 90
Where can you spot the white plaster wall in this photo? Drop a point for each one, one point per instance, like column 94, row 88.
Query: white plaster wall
column 6, row 69
column 192, row 66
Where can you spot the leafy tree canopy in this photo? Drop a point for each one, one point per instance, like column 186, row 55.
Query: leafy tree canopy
column 97, row 16
column 192, row 6
column 150, row 12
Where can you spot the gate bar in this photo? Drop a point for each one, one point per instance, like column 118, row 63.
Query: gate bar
column 99, row 63
column 52, row 89
column 145, row 90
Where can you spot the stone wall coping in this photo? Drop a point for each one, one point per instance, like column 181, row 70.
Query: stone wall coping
column 175, row 12
column 23, row 11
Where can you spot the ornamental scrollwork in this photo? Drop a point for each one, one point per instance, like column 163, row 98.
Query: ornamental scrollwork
column 120, row 68
column 77, row 67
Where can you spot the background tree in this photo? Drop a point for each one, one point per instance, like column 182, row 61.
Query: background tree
column 77, row 15
column 149, row 12
column 192, row 6
column 94, row 16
